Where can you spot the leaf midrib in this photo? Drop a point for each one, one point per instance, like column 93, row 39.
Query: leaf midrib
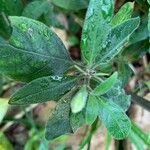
column 38, row 54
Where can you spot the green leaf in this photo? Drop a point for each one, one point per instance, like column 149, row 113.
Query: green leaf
column 77, row 120
column 42, row 90
column 124, row 71
column 106, row 85
column 91, row 110
column 5, row 26
column 33, row 51
column 135, row 51
column 141, row 33
column 148, row 83
column 123, row 14
column 11, row 7
column 43, row 11
column 117, row 95
column 114, row 118
column 117, row 39
column 3, row 108
column 32, row 142
column 108, row 141
column 96, row 29
column 141, row 134
column 73, row 5
column 44, row 144
column 36, row 9
column 78, row 102
column 59, row 123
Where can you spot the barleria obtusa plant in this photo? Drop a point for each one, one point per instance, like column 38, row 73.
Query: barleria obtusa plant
column 85, row 93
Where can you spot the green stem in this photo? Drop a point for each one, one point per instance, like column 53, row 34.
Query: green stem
column 98, row 78
column 87, row 139
column 140, row 101
column 80, row 70
column 101, row 74
column 145, row 137
column 29, row 117
column 108, row 141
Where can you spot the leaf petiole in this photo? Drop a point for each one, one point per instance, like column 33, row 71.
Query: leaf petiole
column 80, row 70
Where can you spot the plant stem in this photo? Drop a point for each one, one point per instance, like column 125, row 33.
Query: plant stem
column 140, row 101
column 101, row 74
column 145, row 137
column 30, row 118
column 99, row 79
column 108, row 141
column 80, row 70
column 87, row 139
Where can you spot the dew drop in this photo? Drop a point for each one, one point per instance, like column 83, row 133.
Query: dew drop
column 57, row 78
column 30, row 31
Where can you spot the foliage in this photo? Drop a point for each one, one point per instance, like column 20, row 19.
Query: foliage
column 31, row 52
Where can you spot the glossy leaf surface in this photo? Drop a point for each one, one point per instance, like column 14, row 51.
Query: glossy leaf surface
column 123, row 14
column 96, row 28
column 117, row 38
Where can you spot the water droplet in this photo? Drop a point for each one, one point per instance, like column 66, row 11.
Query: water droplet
column 30, row 31
column 57, row 78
